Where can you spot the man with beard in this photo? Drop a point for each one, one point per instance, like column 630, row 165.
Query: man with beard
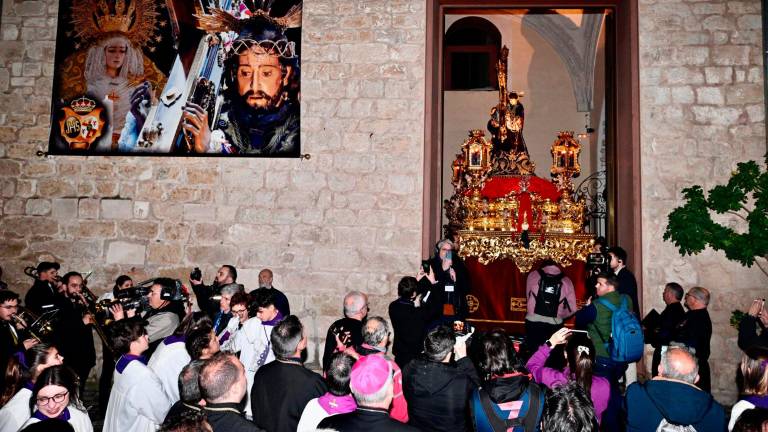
column 225, row 285
column 74, row 336
column 260, row 114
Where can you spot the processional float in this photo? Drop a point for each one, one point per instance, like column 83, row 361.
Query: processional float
column 500, row 209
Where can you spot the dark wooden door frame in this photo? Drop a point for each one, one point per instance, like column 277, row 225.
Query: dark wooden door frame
column 622, row 114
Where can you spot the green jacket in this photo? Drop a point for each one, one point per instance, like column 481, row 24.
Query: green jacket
column 602, row 321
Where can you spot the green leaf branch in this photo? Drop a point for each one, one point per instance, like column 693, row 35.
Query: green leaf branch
column 691, row 227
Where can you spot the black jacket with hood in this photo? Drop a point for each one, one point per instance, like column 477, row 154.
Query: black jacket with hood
column 437, row 393
column 679, row 403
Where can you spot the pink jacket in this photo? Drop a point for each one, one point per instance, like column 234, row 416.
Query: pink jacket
column 567, row 292
column 601, row 388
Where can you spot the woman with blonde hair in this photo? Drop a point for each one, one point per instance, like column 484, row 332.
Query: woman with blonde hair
column 753, row 382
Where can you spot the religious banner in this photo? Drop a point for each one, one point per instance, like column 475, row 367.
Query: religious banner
column 177, row 77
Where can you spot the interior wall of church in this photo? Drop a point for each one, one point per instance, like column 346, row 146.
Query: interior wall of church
column 535, row 68
column 347, row 219
column 702, row 111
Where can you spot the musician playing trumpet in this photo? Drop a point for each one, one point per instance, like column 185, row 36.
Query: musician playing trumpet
column 13, row 338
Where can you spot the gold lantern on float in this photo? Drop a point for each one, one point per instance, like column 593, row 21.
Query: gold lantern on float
column 569, row 217
column 477, row 153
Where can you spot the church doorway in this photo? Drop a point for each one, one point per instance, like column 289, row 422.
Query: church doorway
column 575, row 63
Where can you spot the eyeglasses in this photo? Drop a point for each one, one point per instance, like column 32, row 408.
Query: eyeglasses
column 55, row 398
column 239, row 311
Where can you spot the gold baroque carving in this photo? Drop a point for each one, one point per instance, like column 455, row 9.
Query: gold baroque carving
column 489, row 246
column 473, row 303
column 518, row 304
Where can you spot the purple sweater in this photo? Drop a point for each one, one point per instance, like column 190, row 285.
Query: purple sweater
column 601, row 389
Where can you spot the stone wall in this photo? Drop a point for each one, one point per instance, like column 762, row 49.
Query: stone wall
column 348, row 218
column 702, row 111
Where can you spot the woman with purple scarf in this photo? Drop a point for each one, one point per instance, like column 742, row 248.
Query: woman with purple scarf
column 55, row 396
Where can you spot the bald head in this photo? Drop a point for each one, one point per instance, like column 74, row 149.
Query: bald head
column 265, row 278
column 679, row 363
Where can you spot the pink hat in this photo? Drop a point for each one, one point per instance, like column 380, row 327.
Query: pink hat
column 370, row 374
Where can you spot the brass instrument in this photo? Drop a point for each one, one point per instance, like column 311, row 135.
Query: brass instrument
column 91, row 306
column 38, row 328
column 31, row 272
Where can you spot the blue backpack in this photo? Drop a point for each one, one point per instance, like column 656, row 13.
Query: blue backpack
column 626, row 342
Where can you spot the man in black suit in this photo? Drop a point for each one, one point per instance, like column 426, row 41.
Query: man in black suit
column 696, row 332
column 669, row 320
column 11, row 339
column 43, row 295
column 627, row 281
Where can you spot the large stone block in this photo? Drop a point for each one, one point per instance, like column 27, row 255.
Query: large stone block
column 210, row 254
column 120, row 252
column 116, row 209
column 38, row 207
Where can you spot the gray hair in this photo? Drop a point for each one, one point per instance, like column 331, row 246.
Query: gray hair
column 443, row 242
column 376, row 398
column 670, row 371
column 96, row 61
column 354, row 301
column 189, row 387
column 375, row 330
column 702, row 294
column 231, row 289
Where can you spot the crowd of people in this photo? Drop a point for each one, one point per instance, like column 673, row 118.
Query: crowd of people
column 234, row 361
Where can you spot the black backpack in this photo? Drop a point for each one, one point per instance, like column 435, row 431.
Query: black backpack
column 548, row 298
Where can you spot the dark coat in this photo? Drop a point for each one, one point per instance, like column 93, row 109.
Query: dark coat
column 8, row 344
column 461, row 286
column 669, row 320
column 365, row 419
column 41, row 294
column 280, row 392
column 752, row 332
column 226, row 417
column 647, row 404
column 437, row 393
column 696, row 332
column 344, row 325
column 409, row 324
column 628, row 286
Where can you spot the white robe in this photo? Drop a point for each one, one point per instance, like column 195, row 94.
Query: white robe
column 137, row 402
column 251, row 341
column 16, row 411
column 167, row 362
column 78, row 419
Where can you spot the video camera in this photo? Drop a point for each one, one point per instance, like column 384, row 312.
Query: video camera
column 597, row 263
column 135, row 297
